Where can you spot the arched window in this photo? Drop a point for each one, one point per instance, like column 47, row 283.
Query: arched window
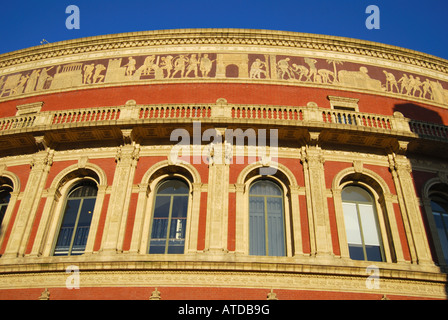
column 169, row 219
column 439, row 208
column 266, row 219
column 361, row 225
column 76, row 220
column 5, row 196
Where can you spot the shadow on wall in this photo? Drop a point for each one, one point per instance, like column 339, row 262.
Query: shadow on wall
column 416, row 112
column 419, row 113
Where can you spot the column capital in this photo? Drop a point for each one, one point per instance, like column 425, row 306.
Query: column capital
column 128, row 154
column 312, row 155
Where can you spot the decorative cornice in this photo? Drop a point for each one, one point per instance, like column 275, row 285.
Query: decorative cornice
column 289, row 276
column 225, row 37
column 225, row 56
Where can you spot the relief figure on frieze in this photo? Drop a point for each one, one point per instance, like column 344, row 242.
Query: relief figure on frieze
column 159, row 67
column 14, row 84
column 45, row 79
column 206, row 65
column 306, row 70
column 359, row 79
column 292, row 68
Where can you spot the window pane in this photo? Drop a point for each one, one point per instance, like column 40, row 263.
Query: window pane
column 373, row 253
column 352, row 224
column 75, row 226
column 361, row 225
column 67, row 227
column 445, row 222
column 266, row 193
column 436, row 207
column 176, row 247
column 442, row 234
column 87, row 189
column 71, row 212
column 257, row 226
column 439, row 211
column 177, row 229
column 159, row 228
column 157, row 246
column 83, row 226
column 3, row 208
column 356, row 252
column 276, row 237
column 170, row 212
column 64, row 240
column 85, row 215
column 173, row 187
column 180, row 207
column 265, row 188
column 80, row 240
column 178, row 225
column 5, row 196
column 369, row 225
column 160, row 225
column 355, row 194
column 162, row 207
column 178, row 217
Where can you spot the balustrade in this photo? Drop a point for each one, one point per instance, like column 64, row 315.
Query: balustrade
column 267, row 112
column 357, row 119
column 172, row 111
column 429, row 130
column 16, row 122
column 86, row 115
column 313, row 115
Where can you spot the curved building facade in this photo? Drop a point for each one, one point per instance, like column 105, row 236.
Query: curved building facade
column 223, row 164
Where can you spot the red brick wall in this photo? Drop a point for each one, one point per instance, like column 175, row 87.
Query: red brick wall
column 304, row 225
column 130, row 222
column 333, row 227
column 234, row 93
column 22, row 173
column 184, row 293
column 99, row 233
column 402, row 232
column 202, row 221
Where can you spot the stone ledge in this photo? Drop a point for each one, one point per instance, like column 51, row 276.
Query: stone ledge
column 225, row 36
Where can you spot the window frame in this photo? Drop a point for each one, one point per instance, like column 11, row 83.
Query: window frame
column 5, row 188
column 384, row 206
column 53, row 210
column 292, row 224
column 142, row 221
column 441, row 198
column 376, row 217
column 430, row 190
column 188, row 194
column 266, row 217
column 11, row 181
column 73, row 187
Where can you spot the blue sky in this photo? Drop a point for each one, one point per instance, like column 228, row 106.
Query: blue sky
column 413, row 24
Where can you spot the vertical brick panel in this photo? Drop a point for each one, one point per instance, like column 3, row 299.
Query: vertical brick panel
column 99, row 234
column 130, row 222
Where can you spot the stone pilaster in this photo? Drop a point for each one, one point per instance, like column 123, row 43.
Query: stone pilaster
column 319, row 222
column 40, row 167
column 401, row 169
column 218, row 195
column 115, row 227
column 296, row 223
column 139, row 220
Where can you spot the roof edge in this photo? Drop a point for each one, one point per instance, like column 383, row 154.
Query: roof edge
column 224, row 36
